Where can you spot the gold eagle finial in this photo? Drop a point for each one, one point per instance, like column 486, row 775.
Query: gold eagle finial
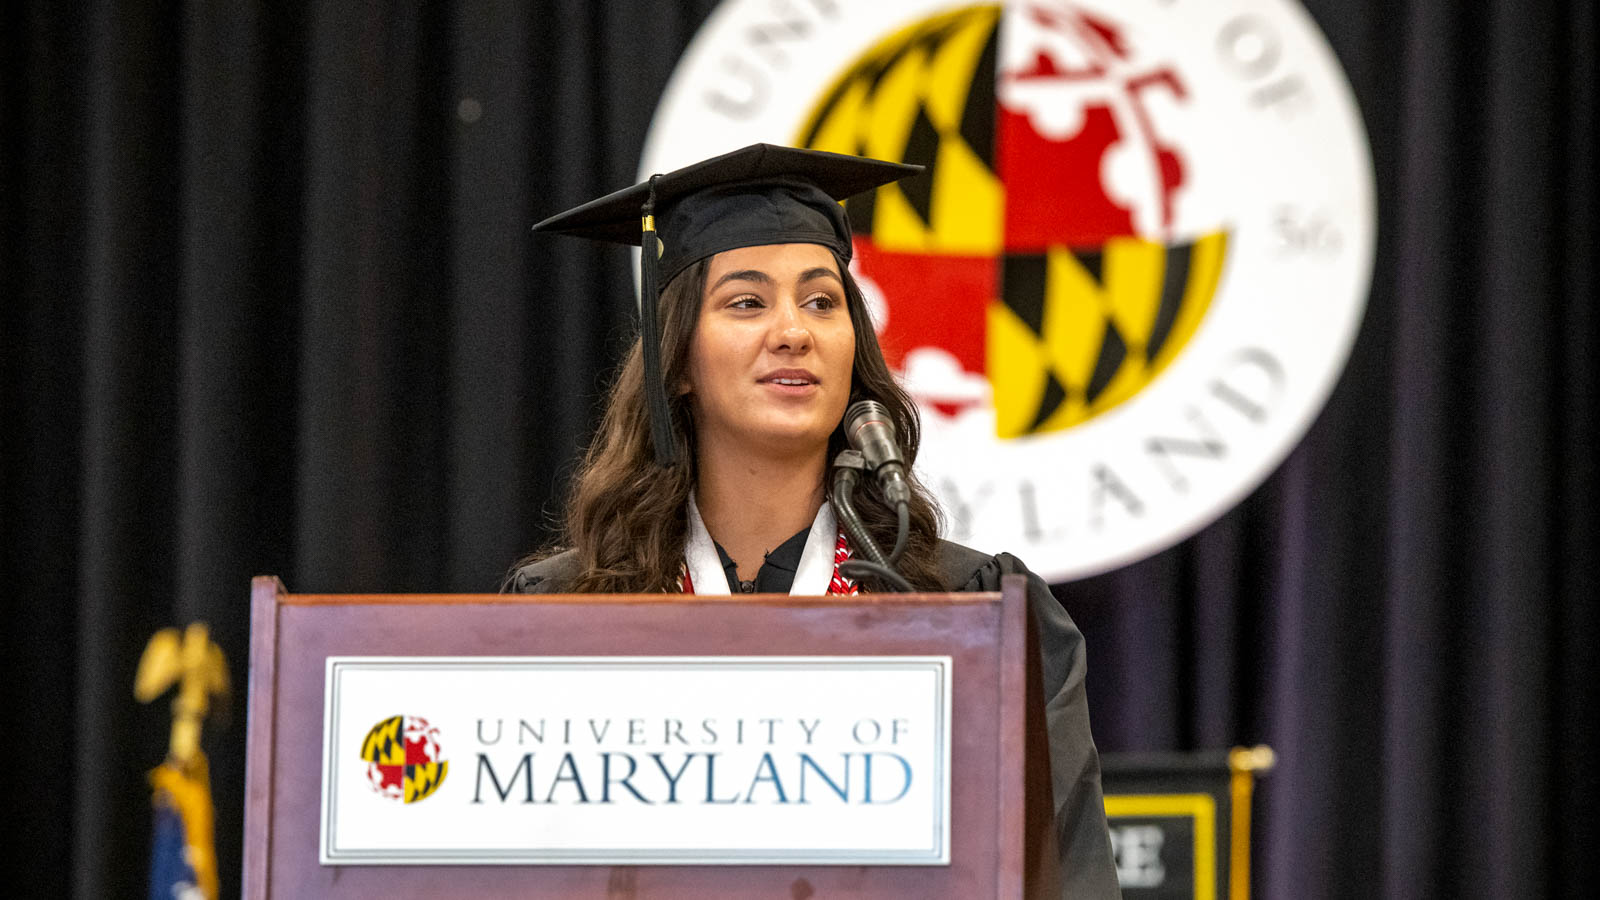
column 197, row 667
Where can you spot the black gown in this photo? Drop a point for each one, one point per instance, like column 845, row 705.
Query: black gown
column 1087, row 867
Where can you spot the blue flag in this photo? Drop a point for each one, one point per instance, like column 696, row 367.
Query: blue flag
column 183, row 859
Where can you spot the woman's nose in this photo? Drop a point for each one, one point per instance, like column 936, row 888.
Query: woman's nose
column 789, row 331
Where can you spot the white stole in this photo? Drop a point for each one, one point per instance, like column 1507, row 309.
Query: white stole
column 811, row 578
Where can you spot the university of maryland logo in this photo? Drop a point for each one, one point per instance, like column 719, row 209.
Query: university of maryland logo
column 403, row 758
column 1135, row 262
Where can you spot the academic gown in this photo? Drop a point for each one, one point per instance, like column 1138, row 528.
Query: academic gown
column 1086, row 864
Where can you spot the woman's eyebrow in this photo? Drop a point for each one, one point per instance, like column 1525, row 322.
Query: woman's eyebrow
column 755, row 275
column 759, row 277
column 820, row 272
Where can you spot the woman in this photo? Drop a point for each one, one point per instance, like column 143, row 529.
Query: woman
column 709, row 471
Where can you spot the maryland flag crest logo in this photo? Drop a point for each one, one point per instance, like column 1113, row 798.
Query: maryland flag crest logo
column 403, row 758
column 1132, row 268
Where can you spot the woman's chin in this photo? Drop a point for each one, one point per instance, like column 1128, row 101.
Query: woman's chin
column 790, row 437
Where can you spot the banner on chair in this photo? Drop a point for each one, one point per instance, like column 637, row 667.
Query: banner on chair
column 1180, row 822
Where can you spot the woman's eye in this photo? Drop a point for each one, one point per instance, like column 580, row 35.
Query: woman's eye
column 823, row 301
column 745, row 302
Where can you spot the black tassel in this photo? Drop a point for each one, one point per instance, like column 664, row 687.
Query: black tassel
column 655, row 390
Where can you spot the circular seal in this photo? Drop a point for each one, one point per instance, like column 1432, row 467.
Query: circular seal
column 403, row 758
column 1133, row 269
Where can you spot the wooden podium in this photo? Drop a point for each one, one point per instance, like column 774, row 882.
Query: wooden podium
column 992, row 689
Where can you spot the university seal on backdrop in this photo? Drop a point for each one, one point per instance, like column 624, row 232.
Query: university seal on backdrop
column 1133, row 269
column 403, row 758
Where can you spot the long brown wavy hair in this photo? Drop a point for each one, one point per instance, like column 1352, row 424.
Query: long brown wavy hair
column 626, row 516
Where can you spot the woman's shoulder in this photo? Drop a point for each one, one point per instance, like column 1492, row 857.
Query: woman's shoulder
column 551, row 575
column 962, row 568
column 965, row 569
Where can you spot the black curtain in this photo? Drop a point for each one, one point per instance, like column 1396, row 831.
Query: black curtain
column 269, row 304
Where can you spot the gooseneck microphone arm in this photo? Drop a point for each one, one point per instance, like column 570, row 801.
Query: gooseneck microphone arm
column 870, row 431
column 873, row 448
column 902, row 531
column 847, row 468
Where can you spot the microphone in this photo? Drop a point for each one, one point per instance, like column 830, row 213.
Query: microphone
column 870, row 431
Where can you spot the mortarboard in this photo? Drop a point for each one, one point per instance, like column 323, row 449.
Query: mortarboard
column 761, row 194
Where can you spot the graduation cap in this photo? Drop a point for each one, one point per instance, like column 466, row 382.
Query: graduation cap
column 761, row 194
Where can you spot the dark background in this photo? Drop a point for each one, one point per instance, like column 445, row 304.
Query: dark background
column 269, row 303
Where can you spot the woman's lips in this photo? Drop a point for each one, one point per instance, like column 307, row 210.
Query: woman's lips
column 790, row 389
column 789, row 376
column 790, row 382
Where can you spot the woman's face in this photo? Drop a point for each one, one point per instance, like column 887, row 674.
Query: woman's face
column 769, row 365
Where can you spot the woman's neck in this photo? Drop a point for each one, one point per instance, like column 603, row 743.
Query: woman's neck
column 751, row 504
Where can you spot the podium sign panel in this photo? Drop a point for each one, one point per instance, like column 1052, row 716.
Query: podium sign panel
column 637, row 760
